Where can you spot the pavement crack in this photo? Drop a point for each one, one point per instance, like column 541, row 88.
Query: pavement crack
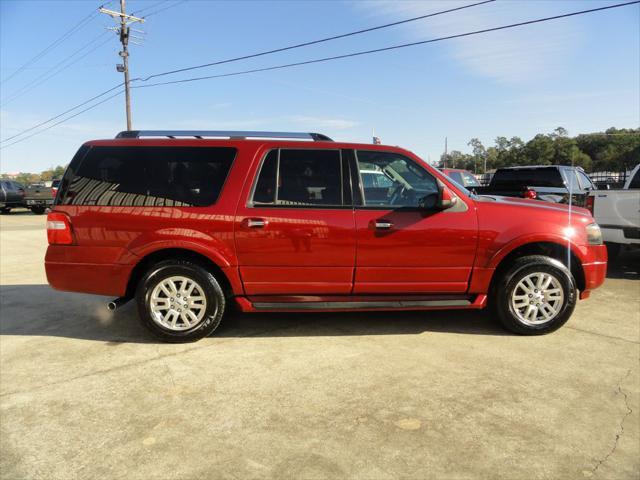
column 629, row 411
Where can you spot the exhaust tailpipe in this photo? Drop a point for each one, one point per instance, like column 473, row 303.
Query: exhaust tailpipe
column 116, row 303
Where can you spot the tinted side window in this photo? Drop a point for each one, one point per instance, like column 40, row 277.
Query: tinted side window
column 300, row 178
column 635, row 181
column 265, row 191
column 149, row 176
column 405, row 183
column 523, row 177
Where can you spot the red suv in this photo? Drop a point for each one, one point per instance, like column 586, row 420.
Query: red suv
column 190, row 223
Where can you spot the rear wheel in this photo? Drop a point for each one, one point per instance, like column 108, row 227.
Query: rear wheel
column 5, row 210
column 180, row 301
column 536, row 295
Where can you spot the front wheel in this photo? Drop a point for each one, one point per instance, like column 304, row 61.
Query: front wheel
column 536, row 295
column 180, row 301
column 5, row 210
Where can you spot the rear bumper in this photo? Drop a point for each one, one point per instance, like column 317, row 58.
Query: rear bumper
column 93, row 278
column 97, row 270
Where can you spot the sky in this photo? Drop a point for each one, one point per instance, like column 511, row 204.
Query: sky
column 581, row 73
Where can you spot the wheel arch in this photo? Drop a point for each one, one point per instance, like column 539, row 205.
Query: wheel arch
column 549, row 249
column 145, row 263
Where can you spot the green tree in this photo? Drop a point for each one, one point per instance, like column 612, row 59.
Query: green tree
column 479, row 155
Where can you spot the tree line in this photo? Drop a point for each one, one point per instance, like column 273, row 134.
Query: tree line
column 44, row 176
column 614, row 150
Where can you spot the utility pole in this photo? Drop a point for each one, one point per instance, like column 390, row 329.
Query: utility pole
column 445, row 153
column 123, row 32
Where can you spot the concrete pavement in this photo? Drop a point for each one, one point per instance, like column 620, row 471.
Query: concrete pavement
column 88, row 394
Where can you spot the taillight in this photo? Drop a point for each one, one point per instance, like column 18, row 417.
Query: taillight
column 590, row 202
column 59, row 229
column 530, row 193
column 54, row 192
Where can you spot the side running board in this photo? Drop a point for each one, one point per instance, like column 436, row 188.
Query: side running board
column 382, row 305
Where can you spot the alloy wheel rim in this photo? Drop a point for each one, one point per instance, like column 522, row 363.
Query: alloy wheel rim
column 537, row 298
column 177, row 303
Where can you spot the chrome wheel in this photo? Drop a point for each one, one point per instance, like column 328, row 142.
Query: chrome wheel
column 537, row 298
column 177, row 303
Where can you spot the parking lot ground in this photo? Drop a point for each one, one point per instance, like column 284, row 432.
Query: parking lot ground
column 88, row 394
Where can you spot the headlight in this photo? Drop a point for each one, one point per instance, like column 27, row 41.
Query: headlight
column 594, row 235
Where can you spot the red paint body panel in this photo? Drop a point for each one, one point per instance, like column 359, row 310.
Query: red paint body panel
column 316, row 252
column 420, row 253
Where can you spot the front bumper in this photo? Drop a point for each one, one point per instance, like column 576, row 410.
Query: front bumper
column 594, row 268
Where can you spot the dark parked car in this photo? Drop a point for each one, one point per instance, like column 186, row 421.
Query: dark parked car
column 11, row 195
column 268, row 223
column 549, row 183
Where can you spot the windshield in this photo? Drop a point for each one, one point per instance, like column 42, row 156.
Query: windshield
column 466, row 191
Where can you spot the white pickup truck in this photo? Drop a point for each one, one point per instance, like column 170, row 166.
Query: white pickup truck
column 618, row 213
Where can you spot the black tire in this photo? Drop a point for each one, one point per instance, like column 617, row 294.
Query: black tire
column 613, row 250
column 520, row 269
column 215, row 300
column 38, row 210
column 5, row 210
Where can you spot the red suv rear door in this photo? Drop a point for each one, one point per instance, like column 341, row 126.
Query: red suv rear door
column 295, row 227
column 403, row 248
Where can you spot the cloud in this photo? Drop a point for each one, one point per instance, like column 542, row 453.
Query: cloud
column 525, row 53
column 315, row 122
column 271, row 123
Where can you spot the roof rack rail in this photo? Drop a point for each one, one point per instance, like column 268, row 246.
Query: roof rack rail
column 317, row 137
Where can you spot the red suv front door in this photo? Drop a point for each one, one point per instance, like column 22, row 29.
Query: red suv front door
column 402, row 247
column 295, row 234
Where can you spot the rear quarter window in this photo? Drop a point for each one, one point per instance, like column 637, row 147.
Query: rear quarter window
column 523, row 177
column 148, row 176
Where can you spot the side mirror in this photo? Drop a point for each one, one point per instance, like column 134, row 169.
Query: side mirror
column 446, row 198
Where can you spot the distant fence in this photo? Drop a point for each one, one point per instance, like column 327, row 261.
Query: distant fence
column 610, row 180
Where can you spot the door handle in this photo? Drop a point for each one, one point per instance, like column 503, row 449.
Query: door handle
column 383, row 224
column 255, row 222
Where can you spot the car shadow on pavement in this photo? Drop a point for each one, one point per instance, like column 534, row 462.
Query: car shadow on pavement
column 626, row 266
column 38, row 310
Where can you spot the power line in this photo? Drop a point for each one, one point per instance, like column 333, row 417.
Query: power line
column 252, row 55
column 62, row 114
column 153, row 5
column 58, row 68
column 63, row 120
column 313, row 42
column 155, row 12
column 385, row 49
column 53, row 45
column 581, row 12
